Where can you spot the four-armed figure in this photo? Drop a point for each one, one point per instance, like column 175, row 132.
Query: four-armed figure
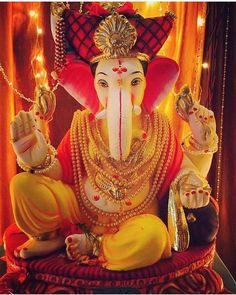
column 116, row 164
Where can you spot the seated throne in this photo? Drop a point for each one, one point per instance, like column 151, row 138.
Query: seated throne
column 185, row 272
column 188, row 271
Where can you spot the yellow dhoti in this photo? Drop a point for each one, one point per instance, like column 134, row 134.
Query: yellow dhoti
column 40, row 204
column 140, row 241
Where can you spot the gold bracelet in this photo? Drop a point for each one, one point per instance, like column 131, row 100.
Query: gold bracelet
column 191, row 146
column 47, row 164
column 94, row 243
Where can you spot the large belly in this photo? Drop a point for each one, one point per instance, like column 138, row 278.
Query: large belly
column 105, row 203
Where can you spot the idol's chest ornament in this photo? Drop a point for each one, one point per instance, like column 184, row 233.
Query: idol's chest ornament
column 119, row 182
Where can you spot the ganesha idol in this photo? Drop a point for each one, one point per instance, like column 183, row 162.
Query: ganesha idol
column 120, row 174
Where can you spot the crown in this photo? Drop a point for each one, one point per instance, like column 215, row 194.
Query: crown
column 111, row 30
column 114, row 37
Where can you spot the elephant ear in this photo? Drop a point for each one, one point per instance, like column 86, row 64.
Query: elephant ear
column 161, row 76
column 76, row 78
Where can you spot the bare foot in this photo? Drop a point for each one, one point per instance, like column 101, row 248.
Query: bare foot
column 34, row 247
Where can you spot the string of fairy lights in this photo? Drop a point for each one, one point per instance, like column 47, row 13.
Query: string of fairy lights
column 219, row 158
column 37, row 61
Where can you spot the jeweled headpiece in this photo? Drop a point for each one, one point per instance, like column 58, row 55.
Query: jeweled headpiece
column 111, row 30
column 104, row 31
column 114, row 37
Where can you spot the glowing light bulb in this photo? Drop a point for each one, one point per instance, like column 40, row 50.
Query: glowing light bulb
column 200, row 21
column 149, row 2
column 205, row 65
column 39, row 30
column 43, row 73
column 39, row 58
column 32, row 13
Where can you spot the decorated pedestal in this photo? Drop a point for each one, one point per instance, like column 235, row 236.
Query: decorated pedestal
column 187, row 272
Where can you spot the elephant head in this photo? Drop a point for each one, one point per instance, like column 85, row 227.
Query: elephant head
column 118, row 86
column 117, row 90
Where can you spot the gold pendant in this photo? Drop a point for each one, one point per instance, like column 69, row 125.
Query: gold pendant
column 108, row 186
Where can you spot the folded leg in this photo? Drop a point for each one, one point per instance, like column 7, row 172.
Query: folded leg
column 140, row 241
column 39, row 206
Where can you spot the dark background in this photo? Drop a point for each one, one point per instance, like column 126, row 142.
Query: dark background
column 219, row 93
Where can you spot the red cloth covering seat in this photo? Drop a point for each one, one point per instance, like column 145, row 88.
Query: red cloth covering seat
column 186, row 272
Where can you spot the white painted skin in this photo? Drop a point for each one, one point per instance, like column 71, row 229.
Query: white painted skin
column 29, row 143
column 120, row 84
column 194, row 188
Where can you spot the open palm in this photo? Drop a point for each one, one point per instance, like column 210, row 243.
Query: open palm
column 29, row 143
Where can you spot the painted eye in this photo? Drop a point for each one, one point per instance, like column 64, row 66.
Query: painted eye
column 103, row 83
column 136, row 81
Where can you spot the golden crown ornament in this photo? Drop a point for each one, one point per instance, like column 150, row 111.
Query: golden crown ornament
column 115, row 37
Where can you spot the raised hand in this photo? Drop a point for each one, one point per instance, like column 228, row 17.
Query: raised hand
column 203, row 125
column 28, row 142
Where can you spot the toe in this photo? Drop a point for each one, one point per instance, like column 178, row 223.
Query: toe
column 17, row 252
column 24, row 253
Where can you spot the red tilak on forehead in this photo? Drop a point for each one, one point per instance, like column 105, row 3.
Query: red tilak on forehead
column 119, row 69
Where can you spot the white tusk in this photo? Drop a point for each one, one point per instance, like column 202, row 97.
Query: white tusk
column 101, row 115
column 137, row 110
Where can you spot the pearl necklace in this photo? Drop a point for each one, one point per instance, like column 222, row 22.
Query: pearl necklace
column 80, row 137
column 96, row 137
column 119, row 167
column 104, row 178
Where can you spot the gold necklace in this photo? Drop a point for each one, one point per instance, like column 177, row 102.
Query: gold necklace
column 78, row 144
column 135, row 146
column 111, row 163
column 99, row 177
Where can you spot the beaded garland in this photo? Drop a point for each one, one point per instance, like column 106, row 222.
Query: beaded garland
column 87, row 156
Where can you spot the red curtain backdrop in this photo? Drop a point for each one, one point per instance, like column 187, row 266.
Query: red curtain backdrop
column 220, row 53
column 7, row 159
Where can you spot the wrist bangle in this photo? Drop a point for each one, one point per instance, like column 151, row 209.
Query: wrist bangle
column 47, row 164
column 24, row 167
column 185, row 172
column 191, row 146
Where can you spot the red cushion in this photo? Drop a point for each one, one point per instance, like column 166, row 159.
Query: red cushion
column 58, row 264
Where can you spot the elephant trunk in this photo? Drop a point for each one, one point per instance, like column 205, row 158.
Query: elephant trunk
column 119, row 121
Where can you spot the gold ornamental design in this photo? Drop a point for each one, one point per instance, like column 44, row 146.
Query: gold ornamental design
column 57, row 9
column 112, row 6
column 115, row 36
